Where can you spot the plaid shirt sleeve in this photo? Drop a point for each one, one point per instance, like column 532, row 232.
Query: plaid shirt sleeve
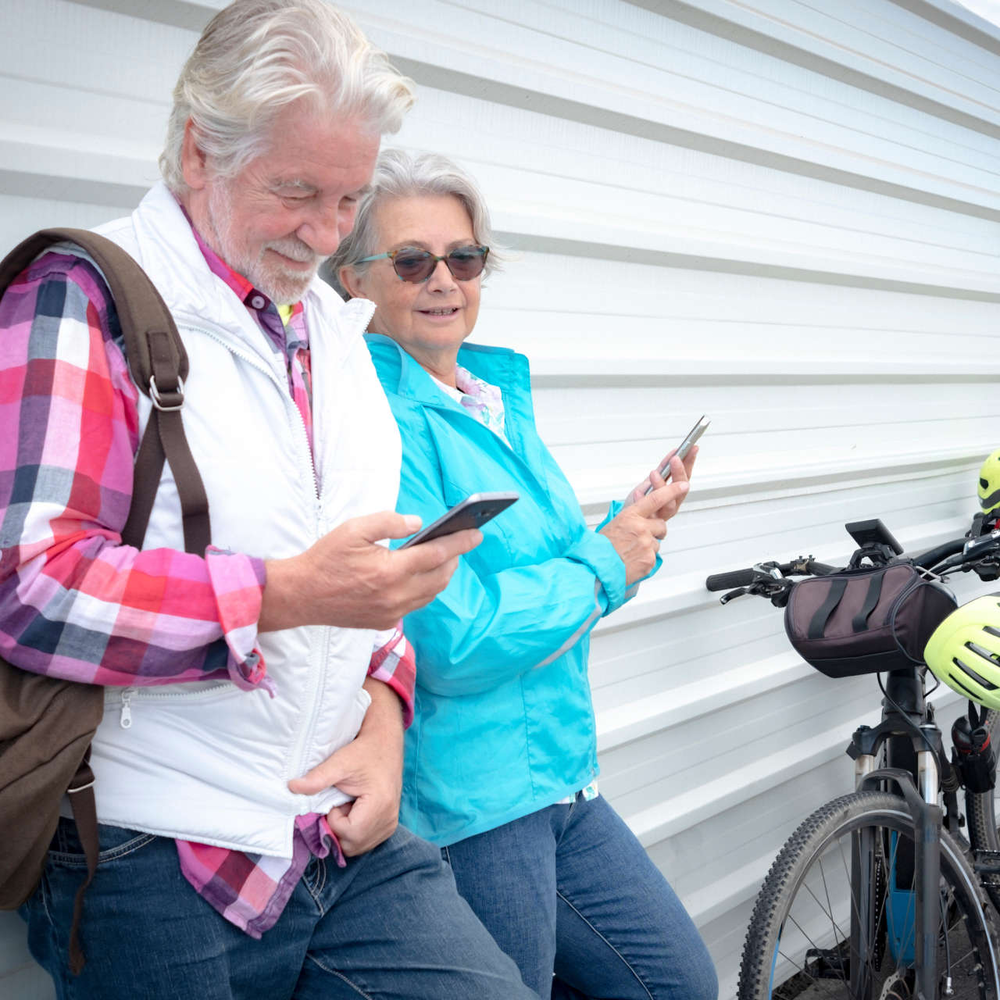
column 393, row 663
column 75, row 602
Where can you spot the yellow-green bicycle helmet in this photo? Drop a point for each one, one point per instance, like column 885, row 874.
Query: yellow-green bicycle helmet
column 989, row 483
column 964, row 651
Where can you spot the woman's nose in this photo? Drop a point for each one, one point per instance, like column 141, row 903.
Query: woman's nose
column 440, row 277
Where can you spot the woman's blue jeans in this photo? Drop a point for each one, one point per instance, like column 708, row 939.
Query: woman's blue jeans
column 389, row 925
column 570, row 890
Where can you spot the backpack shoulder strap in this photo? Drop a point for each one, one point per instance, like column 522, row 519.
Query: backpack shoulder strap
column 158, row 365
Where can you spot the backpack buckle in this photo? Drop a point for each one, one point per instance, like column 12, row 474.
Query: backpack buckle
column 166, row 403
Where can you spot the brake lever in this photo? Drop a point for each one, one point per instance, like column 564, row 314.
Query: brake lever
column 975, row 545
column 733, row 594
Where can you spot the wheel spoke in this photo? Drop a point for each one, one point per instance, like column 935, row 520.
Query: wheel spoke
column 832, row 898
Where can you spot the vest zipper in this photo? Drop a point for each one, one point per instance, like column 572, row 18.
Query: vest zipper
column 126, row 715
column 317, row 674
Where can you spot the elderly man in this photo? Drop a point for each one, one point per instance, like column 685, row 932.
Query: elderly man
column 248, row 765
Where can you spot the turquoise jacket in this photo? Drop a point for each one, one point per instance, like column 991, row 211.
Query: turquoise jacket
column 504, row 723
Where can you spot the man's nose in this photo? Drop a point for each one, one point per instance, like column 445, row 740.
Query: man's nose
column 324, row 230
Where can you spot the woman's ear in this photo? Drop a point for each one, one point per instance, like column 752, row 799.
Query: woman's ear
column 351, row 283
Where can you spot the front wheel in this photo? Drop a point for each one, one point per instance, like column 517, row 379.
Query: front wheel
column 836, row 914
column 980, row 809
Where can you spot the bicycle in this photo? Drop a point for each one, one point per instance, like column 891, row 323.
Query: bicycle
column 874, row 892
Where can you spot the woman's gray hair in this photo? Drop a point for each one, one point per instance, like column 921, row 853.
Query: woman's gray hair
column 257, row 57
column 399, row 174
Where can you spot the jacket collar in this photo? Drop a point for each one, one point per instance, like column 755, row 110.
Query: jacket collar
column 402, row 374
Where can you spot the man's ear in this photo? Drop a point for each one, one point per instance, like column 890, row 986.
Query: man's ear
column 194, row 163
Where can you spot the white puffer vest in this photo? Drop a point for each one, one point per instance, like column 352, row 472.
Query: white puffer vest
column 208, row 762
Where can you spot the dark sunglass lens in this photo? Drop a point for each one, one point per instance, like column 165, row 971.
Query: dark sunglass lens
column 413, row 265
column 467, row 262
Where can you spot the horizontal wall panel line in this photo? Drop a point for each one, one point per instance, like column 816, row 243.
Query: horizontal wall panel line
column 468, row 85
column 583, row 372
column 957, row 23
column 639, row 719
column 708, row 257
column 175, row 13
column 70, row 189
column 814, row 62
column 725, row 894
column 632, row 721
column 760, row 777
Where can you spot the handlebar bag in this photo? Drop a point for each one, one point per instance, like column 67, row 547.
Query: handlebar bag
column 865, row 621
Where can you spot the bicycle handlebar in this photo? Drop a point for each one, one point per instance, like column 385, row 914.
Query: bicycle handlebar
column 940, row 552
column 766, row 578
column 744, row 577
column 727, row 581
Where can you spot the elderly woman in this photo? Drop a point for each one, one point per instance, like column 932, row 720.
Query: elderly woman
column 501, row 761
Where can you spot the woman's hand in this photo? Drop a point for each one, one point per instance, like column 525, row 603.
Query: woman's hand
column 679, row 472
column 638, row 529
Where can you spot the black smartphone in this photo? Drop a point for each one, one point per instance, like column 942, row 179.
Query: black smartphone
column 473, row 512
column 681, row 451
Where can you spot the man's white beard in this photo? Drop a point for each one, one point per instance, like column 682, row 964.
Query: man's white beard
column 280, row 284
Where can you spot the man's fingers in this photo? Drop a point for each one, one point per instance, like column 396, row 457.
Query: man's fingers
column 387, row 524
column 359, row 827
column 428, row 556
column 321, row 776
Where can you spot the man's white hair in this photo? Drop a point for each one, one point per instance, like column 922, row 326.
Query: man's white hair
column 255, row 59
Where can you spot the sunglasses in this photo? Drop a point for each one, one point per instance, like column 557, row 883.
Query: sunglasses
column 414, row 264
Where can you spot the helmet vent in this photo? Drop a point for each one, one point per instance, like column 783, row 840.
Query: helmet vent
column 957, row 683
column 990, row 630
column 978, row 678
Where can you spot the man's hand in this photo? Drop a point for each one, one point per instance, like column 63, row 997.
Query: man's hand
column 347, row 579
column 638, row 529
column 370, row 768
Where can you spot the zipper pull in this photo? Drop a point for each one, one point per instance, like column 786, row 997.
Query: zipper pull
column 126, row 716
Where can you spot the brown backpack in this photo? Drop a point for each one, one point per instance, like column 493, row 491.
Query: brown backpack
column 46, row 724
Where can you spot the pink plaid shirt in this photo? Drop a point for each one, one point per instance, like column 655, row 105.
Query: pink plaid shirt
column 73, row 599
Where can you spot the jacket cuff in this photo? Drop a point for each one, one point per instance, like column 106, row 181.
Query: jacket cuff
column 614, row 508
column 597, row 553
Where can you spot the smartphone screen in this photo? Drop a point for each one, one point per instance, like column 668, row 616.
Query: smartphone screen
column 473, row 512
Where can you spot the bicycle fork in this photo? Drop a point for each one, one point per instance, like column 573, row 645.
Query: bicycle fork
column 927, row 819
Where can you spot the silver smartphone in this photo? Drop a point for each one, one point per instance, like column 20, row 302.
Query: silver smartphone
column 473, row 512
column 681, row 451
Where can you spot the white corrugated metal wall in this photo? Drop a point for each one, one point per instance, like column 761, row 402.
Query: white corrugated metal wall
column 784, row 213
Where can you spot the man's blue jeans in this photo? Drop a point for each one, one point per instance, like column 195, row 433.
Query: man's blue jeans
column 570, row 890
column 389, row 925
